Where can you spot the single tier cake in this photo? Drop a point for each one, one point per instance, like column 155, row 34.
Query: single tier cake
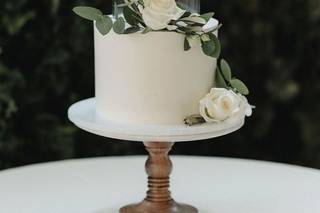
column 149, row 78
column 156, row 63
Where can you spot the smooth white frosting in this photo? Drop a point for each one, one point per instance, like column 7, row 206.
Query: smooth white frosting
column 149, row 79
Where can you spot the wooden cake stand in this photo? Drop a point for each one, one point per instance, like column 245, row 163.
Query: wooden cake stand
column 159, row 140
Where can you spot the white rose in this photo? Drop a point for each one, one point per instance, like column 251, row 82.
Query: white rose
column 158, row 13
column 221, row 104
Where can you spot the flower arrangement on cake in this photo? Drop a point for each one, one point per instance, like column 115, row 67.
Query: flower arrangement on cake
column 226, row 100
column 157, row 15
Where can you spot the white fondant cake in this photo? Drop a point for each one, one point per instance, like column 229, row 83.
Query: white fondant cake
column 150, row 79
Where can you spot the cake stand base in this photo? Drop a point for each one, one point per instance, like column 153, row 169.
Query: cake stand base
column 168, row 207
column 158, row 199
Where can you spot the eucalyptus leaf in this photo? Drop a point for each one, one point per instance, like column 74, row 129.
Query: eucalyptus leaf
column 212, row 48
column 146, row 30
column 183, row 30
column 130, row 16
column 104, row 24
column 89, row 13
column 194, row 120
column 186, row 14
column 194, row 19
column 205, row 37
column 190, row 29
column 132, row 30
column 239, row 86
column 221, row 83
column 226, row 70
column 216, row 41
column 119, row 26
column 208, row 48
column 186, row 44
column 134, row 6
column 207, row 16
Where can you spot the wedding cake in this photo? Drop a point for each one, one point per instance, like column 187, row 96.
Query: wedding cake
column 156, row 62
column 149, row 79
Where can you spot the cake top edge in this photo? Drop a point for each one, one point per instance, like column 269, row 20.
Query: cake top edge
column 211, row 24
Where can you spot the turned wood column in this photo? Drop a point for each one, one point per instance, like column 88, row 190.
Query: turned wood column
column 158, row 198
column 158, row 168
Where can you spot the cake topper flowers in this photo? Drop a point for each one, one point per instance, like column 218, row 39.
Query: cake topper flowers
column 158, row 14
column 145, row 16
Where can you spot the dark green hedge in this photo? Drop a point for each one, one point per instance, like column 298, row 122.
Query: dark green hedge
column 46, row 64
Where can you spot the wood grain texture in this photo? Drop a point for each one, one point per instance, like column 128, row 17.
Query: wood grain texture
column 158, row 199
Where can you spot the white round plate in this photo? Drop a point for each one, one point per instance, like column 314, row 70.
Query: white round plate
column 83, row 114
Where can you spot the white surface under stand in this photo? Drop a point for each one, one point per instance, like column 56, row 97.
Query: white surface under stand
column 219, row 185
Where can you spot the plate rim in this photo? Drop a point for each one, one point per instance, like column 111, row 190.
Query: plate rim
column 83, row 115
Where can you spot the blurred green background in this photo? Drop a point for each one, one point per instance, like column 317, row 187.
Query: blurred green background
column 46, row 64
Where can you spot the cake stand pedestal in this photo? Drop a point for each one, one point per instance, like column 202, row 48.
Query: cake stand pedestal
column 158, row 199
column 159, row 140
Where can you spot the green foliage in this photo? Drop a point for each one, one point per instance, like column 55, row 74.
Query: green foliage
column 220, row 82
column 239, row 86
column 194, row 20
column 104, row 24
column 131, row 17
column 205, row 37
column 212, row 47
column 192, row 25
column 186, row 44
column 132, row 30
column 89, row 13
column 207, row 16
column 226, row 70
column 10, row 80
column 35, row 80
column 146, row 30
column 119, row 26
column 16, row 22
column 224, row 79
